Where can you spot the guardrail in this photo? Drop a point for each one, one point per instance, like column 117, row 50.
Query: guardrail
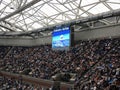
column 37, row 81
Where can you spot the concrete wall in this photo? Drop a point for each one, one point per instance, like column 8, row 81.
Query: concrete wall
column 104, row 32
column 24, row 41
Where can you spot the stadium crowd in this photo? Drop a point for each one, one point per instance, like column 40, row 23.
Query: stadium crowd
column 95, row 62
column 105, row 75
column 3, row 51
column 13, row 84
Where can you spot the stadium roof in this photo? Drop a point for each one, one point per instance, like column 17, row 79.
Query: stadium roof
column 29, row 15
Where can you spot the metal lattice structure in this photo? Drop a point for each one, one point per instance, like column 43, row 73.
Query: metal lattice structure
column 30, row 15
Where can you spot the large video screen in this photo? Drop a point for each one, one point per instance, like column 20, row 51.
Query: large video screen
column 61, row 38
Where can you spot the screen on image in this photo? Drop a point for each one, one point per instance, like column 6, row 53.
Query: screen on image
column 61, row 37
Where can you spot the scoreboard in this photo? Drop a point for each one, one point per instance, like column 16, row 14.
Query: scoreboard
column 61, row 38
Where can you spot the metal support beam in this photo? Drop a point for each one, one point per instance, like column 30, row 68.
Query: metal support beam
column 20, row 9
column 84, row 20
column 14, row 25
column 6, row 27
column 77, row 22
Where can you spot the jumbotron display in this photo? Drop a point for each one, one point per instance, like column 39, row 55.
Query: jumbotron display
column 61, row 38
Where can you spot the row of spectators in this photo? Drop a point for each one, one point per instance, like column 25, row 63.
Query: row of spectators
column 43, row 62
column 12, row 84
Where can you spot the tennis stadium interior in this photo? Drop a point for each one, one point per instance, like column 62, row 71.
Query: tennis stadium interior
column 59, row 44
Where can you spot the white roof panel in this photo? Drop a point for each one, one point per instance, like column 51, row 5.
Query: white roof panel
column 88, row 2
column 97, row 9
column 48, row 10
column 51, row 12
column 114, row 6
